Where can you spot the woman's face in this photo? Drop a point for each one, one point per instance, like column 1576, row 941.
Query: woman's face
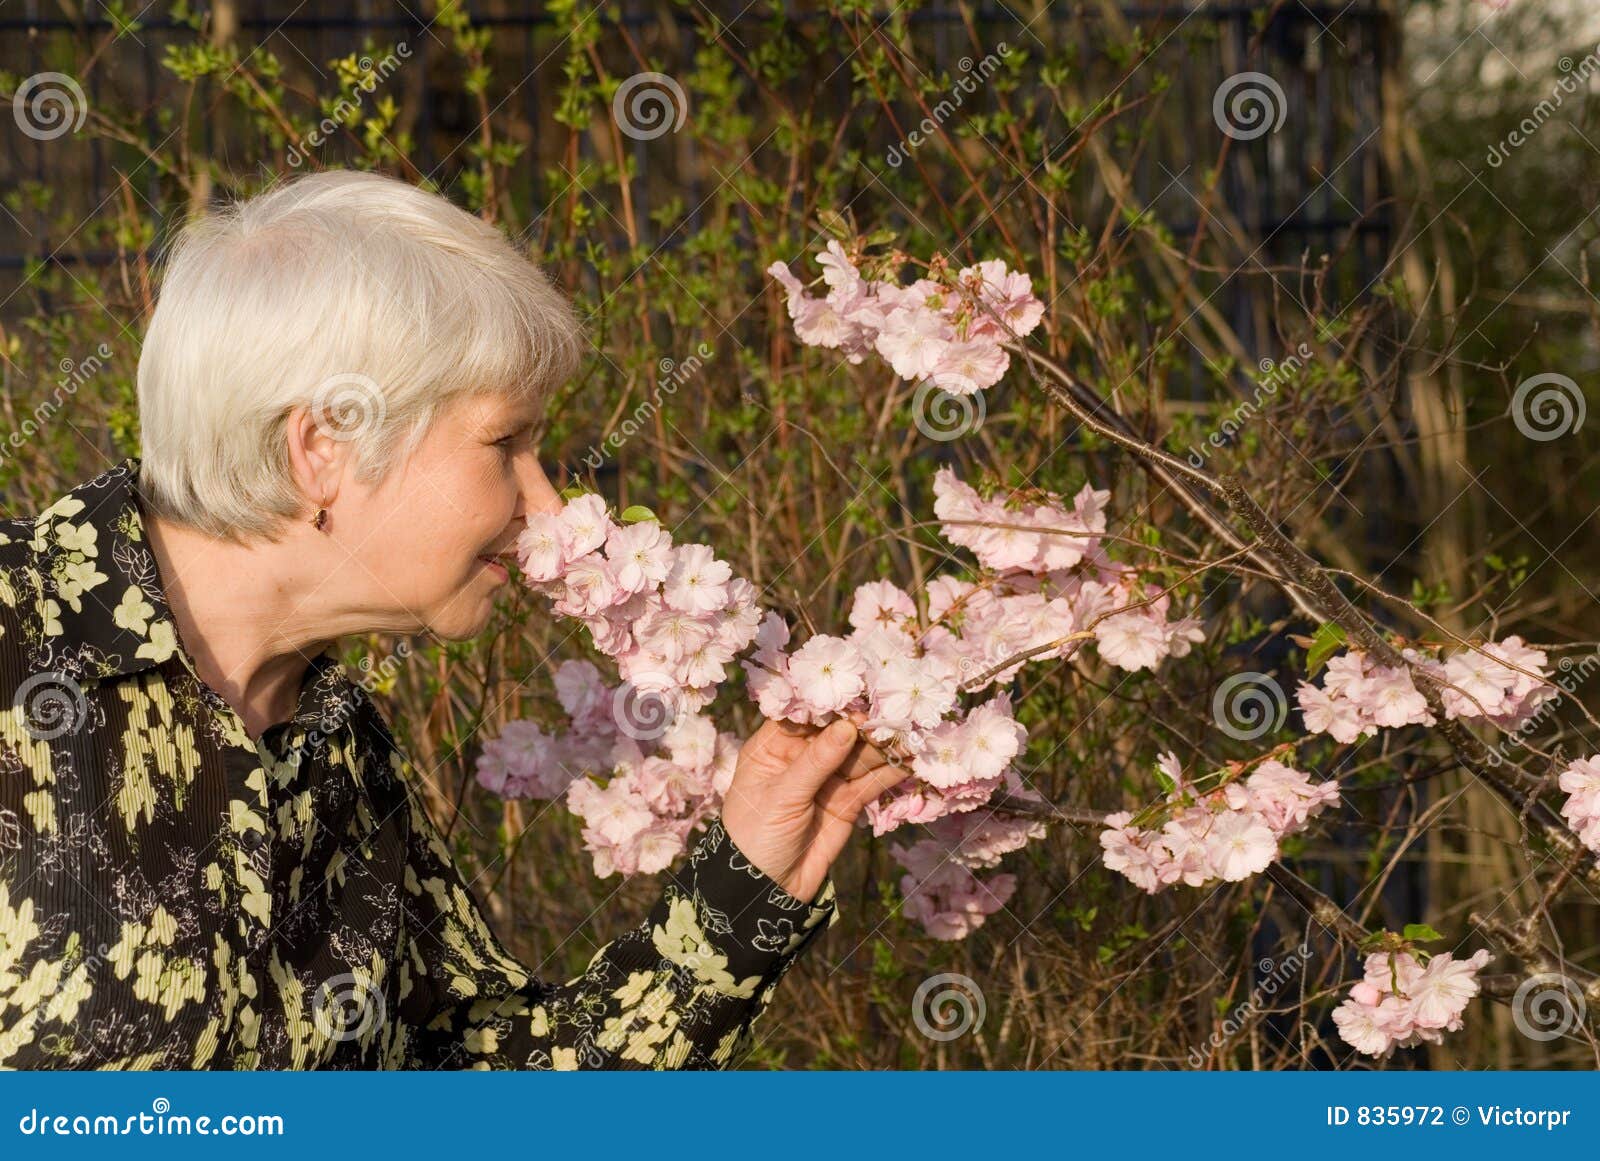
column 436, row 521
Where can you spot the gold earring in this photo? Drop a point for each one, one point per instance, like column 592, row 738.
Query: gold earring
column 321, row 518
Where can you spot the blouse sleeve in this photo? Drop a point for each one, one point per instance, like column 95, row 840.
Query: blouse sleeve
column 680, row 991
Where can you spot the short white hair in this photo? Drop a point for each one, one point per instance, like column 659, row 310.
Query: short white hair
column 360, row 296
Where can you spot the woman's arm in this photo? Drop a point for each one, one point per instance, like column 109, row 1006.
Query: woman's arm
column 681, row 990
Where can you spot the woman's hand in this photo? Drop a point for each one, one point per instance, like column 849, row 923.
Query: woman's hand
column 795, row 796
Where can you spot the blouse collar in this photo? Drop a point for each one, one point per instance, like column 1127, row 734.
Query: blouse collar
column 105, row 611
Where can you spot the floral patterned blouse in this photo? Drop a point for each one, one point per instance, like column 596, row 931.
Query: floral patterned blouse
column 175, row 895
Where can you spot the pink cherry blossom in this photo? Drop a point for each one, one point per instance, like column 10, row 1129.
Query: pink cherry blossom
column 1399, row 1003
column 640, row 555
column 1228, row 833
column 943, row 895
column 1132, row 640
column 591, row 587
column 1581, row 782
column 1008, row 293
column 965, row 368
column 827, row 673
column 697, row 582
column 615, row 812
column 540, row 550
column 1240, row 845
column 914, row 341
column 881, row 605
column 913, row 693
column 1503, row 681
column 583, row 525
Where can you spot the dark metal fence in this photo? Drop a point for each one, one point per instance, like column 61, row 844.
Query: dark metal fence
column 1305, row 188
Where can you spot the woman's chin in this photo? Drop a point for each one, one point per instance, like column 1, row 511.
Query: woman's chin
column 467, row 615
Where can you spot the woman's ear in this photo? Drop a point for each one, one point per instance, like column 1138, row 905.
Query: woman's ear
column 317, row 456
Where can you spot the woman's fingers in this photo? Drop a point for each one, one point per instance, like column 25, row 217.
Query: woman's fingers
column 867, row 788
column 777, row 745
column 864, row 759
column 774, row 745
column 844, row 801
column 822, row 758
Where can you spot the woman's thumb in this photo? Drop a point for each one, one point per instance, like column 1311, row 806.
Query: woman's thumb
column 821, row 758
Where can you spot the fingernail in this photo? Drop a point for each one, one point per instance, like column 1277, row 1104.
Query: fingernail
column 840, row 730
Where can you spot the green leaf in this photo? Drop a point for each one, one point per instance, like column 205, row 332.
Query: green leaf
column 1329, row 640
column 1420, row 933
column 636, row 513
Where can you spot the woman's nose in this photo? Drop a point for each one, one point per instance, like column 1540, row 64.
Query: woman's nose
column 538, row 493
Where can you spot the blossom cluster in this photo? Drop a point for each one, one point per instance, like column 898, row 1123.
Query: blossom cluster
column 1048, row 588
column 1399, row 1003
column 940, row 889
column 1581, row 781
column 1229, row 832
column 925, row 331
column 672, row 616
column 1051, row 587
column 918, row 669
column 638, row 819
column 1502, row 681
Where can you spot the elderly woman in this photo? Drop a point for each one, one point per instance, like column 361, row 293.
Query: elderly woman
column 212, row 852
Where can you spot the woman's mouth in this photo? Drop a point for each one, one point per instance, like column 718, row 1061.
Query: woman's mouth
column 497, row 569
